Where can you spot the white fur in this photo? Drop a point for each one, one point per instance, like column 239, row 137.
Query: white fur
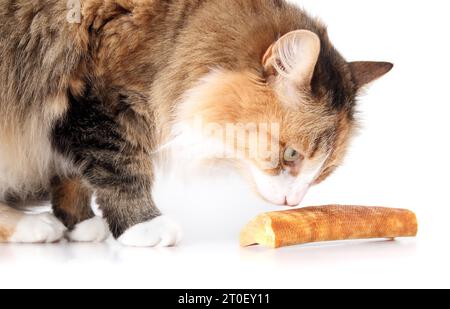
column 93, row 230
column 41, row 228
column 284, row 188
column 189, row 132
column 190, row 144
column 159, row 232
column 26, row 158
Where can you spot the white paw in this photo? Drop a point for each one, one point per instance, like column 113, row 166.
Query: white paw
column 92, row 230
column 159, row 232
column 42, row 228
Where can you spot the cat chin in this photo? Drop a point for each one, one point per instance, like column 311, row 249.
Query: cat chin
column 159, row 232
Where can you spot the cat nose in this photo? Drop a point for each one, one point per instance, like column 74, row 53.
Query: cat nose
column 295, row 198
column 286, row 203
column 291, row 204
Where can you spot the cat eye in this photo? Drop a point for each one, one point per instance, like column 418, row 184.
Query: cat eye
column 291, row 155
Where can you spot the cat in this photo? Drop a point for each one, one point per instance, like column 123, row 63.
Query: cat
column 89, row 105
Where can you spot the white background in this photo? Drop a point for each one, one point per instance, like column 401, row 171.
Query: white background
column 399, row 159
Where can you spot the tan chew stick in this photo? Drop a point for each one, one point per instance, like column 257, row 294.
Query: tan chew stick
column 328, row 223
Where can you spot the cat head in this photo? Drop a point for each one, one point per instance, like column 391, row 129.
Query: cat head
column 288, row 125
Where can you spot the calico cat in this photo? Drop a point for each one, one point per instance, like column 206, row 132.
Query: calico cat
column 88, row 107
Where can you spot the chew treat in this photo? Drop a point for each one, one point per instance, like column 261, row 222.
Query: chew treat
column 328, row 223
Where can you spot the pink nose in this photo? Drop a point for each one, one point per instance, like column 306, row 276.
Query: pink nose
column 296, row 198
column 288, row 203
column 291, row 204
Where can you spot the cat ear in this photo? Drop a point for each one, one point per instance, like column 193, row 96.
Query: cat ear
column 365, row 72
column 294, row 57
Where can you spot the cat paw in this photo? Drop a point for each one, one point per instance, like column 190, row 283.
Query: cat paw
column 92, row 230
column 159, row 232
column 42, row 228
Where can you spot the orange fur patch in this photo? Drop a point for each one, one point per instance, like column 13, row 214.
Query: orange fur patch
column 5, row 233
column 8, row 220
column 71, row 189
column 72, row 201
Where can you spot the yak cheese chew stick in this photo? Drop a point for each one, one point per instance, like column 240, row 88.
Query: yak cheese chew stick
column 328, row 223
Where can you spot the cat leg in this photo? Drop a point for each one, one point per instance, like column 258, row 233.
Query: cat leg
column 111, row 151
column 18, row 227
column 132, row 215
column 71, row 202
column 123, row 185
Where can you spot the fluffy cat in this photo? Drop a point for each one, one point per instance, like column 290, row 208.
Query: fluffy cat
column 90, row 100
